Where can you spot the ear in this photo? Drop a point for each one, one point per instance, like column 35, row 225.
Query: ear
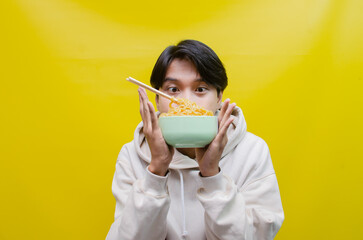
column 157, row 101
column 219, row 100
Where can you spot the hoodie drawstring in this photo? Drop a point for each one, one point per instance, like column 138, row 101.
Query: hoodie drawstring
column 185, row 232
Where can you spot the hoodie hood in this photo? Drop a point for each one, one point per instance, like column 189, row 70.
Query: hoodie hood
column 235, row 133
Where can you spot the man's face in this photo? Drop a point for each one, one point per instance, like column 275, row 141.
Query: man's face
column 182, row 80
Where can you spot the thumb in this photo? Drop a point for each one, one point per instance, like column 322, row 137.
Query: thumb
column 199, row 152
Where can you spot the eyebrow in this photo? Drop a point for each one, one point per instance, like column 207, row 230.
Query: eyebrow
column 177, row 80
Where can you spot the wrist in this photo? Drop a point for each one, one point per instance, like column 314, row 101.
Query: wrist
column 209, row 172
column 158, row 169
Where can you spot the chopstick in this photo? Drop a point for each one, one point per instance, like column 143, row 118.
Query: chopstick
column 143, row 85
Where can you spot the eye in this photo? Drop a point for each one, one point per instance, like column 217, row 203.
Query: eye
column 201, row 89
column 173, row 89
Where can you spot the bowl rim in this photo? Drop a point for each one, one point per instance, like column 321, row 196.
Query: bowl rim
column 192, row 116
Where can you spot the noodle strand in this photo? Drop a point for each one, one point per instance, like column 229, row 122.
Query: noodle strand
column 185, row 107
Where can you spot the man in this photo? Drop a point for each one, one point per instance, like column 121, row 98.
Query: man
column 227, row 190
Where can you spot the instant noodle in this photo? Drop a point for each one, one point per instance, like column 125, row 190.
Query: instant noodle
column 185, row 107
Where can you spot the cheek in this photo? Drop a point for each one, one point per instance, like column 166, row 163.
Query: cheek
column 209, row 104
column 163, row 106
column 213, row 107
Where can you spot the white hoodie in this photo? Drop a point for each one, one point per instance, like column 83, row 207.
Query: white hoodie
column 241, row 202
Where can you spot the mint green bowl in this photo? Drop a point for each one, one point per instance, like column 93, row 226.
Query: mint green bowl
column 189, row 131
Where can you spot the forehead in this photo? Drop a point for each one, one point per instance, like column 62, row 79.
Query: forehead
column 181, row 70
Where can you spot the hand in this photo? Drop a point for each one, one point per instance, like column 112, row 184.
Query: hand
column 161, row 152
column 209, row 156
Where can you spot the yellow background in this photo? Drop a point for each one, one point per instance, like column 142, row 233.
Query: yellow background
column 295, row 68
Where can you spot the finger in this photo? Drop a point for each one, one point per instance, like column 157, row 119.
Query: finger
column 223, row 109
column 141, row 106
column 228, row 113
column 147, row 108
column 145, row 111
column 154, row 119
column 224, row 106
column 223, row 130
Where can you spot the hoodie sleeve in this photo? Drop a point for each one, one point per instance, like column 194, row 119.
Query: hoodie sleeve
column 252, row 211
column 141, row 204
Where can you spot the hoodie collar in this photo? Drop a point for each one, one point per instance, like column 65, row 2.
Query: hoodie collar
column 235, row 133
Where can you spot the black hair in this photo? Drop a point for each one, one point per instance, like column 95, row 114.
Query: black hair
column 206, row 61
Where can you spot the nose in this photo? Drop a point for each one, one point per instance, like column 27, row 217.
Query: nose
column 187, row 95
